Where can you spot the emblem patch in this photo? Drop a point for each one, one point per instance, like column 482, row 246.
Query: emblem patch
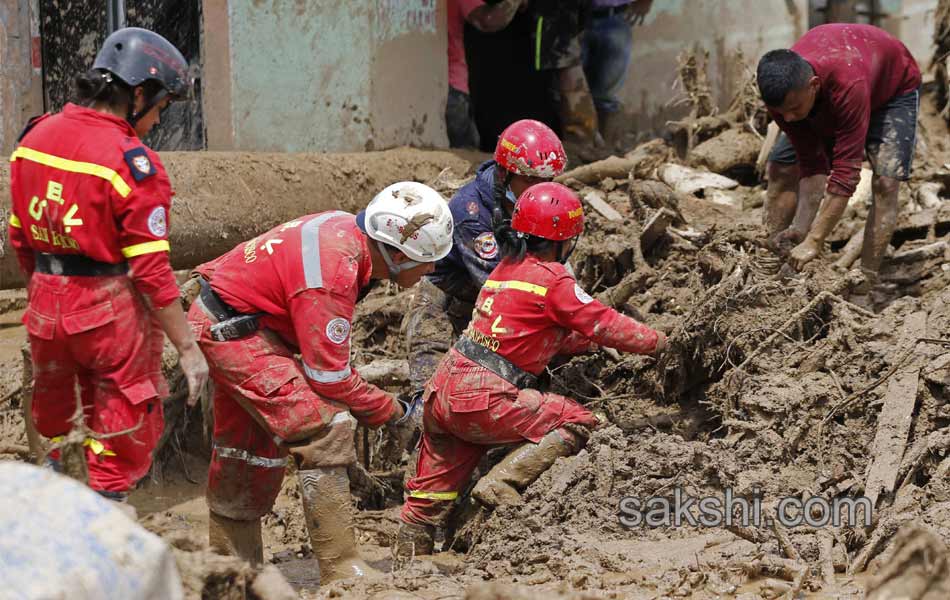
column 582, row 296
column 338, row 330
column 139, row 163
column 486, row 246
column 142, row 164
column 472, row 208
column 157, row 222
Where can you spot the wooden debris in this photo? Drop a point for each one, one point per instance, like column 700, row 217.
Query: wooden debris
column 895, row 418
column 825, row 552
column 689, row 181
column 615, row 167
column 918, row 569
column 656, row 226
column 851, row 251
column 596, row 200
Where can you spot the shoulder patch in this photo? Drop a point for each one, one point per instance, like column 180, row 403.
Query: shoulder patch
column 338, row 330
column 158, row 222
column 139, row 163
column 486, row 246
column 582, row 296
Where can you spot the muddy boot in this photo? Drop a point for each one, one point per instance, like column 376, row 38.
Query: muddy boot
column 326, row 504
column 412, row 540
column 503, row 484
column 236, row 538
column 579, row 124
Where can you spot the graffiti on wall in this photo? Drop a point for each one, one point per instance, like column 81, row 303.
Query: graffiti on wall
column 395, row 18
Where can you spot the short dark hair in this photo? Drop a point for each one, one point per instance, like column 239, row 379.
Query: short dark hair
column 98, row 85
column 779, row 72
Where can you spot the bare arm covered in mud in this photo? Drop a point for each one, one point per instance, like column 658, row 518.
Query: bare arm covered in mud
column 490, row 18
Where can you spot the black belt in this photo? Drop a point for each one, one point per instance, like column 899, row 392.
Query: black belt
column 496, row 363
column 77, row 265
column 231, row 325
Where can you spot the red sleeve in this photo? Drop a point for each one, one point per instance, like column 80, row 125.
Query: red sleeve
column 570, row 306
column 852, row 110
column 142, row 219
column 322, row 323
column 809, row 147
column 18, row 239
column 575, row 343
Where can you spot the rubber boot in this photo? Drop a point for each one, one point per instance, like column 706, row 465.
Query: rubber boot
column 236, row 538
column 326, row 505
column 412, row 540
column 503, row 484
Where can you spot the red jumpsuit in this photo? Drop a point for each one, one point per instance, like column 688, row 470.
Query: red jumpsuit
column 305, row 276
column 82, row 183
column 526, row 312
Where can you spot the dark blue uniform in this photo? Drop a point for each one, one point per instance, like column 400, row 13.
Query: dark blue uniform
column 474, row 252
column 443, row 302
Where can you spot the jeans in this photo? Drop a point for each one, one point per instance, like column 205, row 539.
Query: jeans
column 606, row 56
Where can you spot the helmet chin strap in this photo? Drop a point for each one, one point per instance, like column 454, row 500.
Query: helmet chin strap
column 560, row 248
column 134, row 117
column 395, row 269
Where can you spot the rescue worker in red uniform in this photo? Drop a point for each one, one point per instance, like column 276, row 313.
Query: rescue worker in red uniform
column 89, row 224
column 294, row 289
column 484, row 392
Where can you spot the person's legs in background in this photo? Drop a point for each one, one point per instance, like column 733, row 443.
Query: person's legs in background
column 608, row 41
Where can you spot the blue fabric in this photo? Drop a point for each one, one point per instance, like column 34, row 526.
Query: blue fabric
column 462, row 273
column 606, row 55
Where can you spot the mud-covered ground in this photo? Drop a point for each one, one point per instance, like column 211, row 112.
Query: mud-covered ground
column 775, row 385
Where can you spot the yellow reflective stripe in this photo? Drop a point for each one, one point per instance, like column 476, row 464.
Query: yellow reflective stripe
column 537, row 45
column 15, row 221
column 146, row 248
column 96, row 446
column 524, row 286
column 73, row 166
column 434, row 495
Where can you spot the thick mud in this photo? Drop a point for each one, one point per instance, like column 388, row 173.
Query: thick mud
column 776, row 385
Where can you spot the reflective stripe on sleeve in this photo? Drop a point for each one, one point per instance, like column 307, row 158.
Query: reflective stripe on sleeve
column 524, row 286
column 310, row 249
column 74, row 166
column 251, row 459
column 326, row 376
column 433, row 495
column 146, row 248
column 15, row 221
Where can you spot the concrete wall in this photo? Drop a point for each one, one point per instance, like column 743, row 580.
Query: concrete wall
column 334, row 75
column 21, row 83
column 719, row 26
column 912, row 21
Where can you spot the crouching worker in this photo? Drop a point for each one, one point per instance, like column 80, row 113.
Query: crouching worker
column 483, row 392
column 294, row 289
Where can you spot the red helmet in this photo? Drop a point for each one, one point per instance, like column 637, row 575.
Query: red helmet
column 530, row 148
column 549, row 210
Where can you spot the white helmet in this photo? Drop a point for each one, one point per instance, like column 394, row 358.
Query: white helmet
column 411, row 217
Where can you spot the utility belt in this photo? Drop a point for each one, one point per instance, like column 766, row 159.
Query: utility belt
column 496, row 363
column 76, row 265
column 231, row 324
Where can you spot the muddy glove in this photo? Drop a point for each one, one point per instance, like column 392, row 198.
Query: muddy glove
column 411, row 408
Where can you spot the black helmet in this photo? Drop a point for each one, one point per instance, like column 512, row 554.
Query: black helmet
column 136, row 55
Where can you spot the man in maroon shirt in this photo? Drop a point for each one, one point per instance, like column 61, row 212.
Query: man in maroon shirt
column 840, row 91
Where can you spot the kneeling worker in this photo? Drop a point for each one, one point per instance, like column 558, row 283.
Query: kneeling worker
column 294, row 289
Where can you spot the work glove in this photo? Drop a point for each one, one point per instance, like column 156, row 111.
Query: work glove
column 411, row 408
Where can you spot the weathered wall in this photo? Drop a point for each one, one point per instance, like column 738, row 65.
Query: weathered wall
column 334, row 75
column 722, row 28
column 21, row 84
column 913, row 22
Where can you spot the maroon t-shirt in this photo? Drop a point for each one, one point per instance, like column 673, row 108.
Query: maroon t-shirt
column 861, row 68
